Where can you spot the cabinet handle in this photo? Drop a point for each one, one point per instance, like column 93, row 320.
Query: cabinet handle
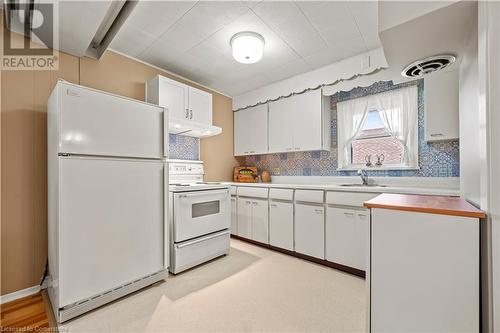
column 187, row 114
column 319, row 211
column 191, row 115
column 248, row 202
column 437, row 134
column 288, row 149
column 245, row 152
column 297, row 148
column 349, row 214
column 362, row 215
column 273, row 205
column 252, row 152
column 254, row 203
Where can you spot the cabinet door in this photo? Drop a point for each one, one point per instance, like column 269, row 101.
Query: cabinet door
column 281, row 224
column 200, row 106
column 242, row 133
column 260, row 221
column 310, row 230
column 441, row 106
column 174, row 96
column 234, row 216
column 281, row 125
column 347, row 237
column 244, row 213
column 306, row 118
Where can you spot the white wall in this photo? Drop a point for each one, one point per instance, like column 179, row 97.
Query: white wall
column 470, row 162
column 343, row 69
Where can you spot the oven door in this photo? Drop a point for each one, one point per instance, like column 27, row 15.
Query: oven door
column 199, row 213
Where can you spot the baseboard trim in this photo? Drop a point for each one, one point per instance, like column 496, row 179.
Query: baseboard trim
column 347, row 269
column 19, row 294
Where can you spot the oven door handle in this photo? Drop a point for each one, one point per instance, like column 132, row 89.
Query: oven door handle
column 203, row 193
column 202, row 239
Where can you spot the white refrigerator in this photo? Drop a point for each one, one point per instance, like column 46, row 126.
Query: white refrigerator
column 108, row 192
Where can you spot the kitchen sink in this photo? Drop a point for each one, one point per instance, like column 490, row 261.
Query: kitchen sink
column 363, row 185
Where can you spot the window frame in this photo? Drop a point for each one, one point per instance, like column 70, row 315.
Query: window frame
column 390, row 166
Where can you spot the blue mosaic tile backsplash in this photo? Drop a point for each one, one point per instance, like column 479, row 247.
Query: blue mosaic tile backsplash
column 440, row 159
column 183, row 147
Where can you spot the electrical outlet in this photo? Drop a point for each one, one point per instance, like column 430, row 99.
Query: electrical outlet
column 276, row 171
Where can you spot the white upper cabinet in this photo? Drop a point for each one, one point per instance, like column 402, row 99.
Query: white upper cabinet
column 281, row 125
column 441, row 106
column 250, row 131
column 200, row 106
column 173, row 95
column 189, row 109
column 299, row 123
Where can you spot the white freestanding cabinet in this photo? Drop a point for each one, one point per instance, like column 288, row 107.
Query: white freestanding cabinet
column 310, row 229
column 250, row 131
column 441, row 106
column 299, row 123
column 107, row 207
column 424, row 274
column 347, row 236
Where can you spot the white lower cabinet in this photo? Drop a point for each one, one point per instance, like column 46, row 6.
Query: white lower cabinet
column 253, row 221
column 310, row 230
column 281, row 224
column 260, row 221
column 234, row 216
column 347, row 236
column 244, row 214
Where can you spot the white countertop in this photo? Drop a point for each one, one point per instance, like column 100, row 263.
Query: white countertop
column 406, row 185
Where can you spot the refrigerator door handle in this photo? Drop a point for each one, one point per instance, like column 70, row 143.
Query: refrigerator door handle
column 165, row 132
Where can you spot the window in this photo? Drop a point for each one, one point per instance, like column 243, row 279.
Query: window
column 379, row 127
column 374, row 141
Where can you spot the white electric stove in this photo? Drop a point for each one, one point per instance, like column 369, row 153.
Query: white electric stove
column 200, row 216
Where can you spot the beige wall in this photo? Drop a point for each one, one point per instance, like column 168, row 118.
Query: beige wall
column 24, row 96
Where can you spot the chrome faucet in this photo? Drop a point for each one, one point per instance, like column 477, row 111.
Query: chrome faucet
column 364, row 176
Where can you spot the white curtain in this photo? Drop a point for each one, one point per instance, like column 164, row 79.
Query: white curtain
column 398, row 110
column 350, row 116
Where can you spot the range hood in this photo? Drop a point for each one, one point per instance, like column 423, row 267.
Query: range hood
column 191, row 128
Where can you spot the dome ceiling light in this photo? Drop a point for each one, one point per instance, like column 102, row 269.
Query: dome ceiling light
column 247, row 46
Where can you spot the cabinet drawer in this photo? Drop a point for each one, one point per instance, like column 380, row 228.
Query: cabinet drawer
column 254, row 192
column 355, row 199
column 281, row 194
column 309, row 196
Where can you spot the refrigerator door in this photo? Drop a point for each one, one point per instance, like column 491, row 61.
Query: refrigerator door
column 112, row 228
column 97, row 123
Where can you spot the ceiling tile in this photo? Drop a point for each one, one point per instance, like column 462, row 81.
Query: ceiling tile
column 155, row 17
column 290, row 24
column 366, row 16
column 192, row 38
column 131, row 40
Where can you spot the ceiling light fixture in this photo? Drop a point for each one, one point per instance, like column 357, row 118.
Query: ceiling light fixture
column 248, row 47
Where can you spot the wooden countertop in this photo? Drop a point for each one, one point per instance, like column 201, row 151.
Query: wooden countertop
column 433, row 204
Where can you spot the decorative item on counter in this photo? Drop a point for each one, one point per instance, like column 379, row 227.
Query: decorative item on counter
column 265, row 176
column 368, row 159
column 380, row 160
column 245, row 174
